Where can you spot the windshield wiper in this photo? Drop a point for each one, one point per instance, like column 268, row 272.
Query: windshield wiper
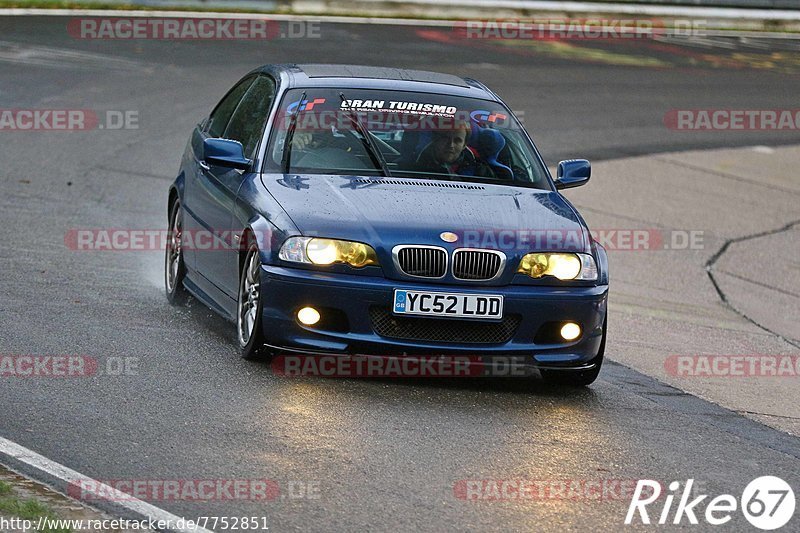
column 374, row 153
column 287, row 142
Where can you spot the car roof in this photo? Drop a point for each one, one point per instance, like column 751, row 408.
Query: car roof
column 379, row 73
column 371, row 77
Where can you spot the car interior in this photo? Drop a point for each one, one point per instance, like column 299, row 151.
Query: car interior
column 345, row 150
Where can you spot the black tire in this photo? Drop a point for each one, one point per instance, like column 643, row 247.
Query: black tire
column 249, row 329
column 174, row 267
column 581, row 378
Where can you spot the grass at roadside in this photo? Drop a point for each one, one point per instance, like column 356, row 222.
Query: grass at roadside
column 28, row 509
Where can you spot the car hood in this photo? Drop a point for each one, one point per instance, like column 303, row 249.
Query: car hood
column 388, row 211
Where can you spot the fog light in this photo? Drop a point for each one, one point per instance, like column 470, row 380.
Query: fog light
column 570, row 331
column 308, row 316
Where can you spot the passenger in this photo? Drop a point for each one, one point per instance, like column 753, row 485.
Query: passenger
column 448, row 153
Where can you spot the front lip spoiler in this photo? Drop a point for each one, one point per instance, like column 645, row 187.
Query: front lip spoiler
column 280, row 350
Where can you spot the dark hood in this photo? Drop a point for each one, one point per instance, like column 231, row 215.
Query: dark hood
column 388, row 211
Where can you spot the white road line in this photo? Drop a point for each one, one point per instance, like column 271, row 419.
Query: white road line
column 590, row 7
column 52, row 469
column 27, row 54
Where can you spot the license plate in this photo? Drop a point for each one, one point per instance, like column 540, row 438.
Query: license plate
column 456, row 305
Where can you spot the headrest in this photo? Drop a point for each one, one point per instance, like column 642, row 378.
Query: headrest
column 413, row 141
column 489, row 144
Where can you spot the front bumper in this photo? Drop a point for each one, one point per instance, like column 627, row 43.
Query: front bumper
column 358, row 299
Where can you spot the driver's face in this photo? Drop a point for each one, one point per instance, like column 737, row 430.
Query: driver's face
column 448, row 145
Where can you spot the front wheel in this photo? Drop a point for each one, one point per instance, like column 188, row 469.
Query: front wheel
column 174, row 267
column 249, row 308
column 579, row 378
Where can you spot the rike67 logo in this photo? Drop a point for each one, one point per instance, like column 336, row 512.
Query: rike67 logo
column 767, row 502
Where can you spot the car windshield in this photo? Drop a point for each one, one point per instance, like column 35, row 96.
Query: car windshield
column 401, row 134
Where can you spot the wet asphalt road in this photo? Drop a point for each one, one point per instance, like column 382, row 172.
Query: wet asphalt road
column 385, row 455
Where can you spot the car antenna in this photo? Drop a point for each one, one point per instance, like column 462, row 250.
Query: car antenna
column 287, row 142
column 375, row 154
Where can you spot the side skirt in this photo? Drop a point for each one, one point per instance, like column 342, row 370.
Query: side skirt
column 210, row 295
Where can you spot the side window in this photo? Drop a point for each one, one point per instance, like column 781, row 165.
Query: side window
column 222, row 113
column 247, row 122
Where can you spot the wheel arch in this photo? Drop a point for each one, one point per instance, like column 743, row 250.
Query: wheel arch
column 175, row 192
column 602, row 263
column 263, row 233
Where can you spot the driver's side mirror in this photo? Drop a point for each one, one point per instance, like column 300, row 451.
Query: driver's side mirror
column 225, row 153
column 573, row 173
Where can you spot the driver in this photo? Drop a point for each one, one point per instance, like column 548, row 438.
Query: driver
column 449, row 154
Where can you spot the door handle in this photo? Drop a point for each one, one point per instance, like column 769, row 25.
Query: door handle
column 204, row 165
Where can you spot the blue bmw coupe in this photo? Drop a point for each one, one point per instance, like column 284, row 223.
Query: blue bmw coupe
column 338, row 209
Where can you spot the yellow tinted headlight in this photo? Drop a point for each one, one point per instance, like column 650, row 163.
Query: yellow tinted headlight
column 562, row 266
column 322, row 251
column 329, row 251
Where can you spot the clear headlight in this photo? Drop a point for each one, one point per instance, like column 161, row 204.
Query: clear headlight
column 318, row 251
column 294, row 250
column 563, row 266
